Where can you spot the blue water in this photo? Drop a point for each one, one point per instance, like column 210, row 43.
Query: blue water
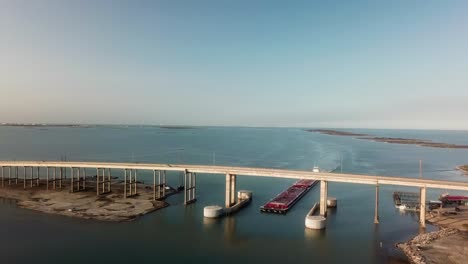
column 181, row 234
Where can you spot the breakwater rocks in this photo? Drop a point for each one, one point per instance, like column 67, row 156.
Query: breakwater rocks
column 436, row 246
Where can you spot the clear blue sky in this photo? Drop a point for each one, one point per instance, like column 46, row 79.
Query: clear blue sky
column 382, row 64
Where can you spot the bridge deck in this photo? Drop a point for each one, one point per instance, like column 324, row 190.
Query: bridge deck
column 257, row 172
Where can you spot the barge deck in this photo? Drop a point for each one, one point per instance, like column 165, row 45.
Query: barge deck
column 286, row 200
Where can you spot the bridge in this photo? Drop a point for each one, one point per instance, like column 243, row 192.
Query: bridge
column 55, row 175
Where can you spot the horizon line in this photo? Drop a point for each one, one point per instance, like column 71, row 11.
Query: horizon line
column 207, row 126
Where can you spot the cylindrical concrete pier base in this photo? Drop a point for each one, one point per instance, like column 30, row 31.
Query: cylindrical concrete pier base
column 244, row 195
column 213, row 211
column 332, row 202
column 315, row 222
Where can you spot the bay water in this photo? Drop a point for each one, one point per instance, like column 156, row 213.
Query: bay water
column 180, row 234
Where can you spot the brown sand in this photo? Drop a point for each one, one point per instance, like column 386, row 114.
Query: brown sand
column 85, row 204
column 448, row 245
column 463, row 168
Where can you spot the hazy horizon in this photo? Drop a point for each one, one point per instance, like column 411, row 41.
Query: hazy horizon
column 214, row 126
column 360, row 64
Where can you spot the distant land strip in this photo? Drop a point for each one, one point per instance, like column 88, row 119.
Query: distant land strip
column 42, row 125
column 336, row 132
column 177, row 127
column 87, row 126
column 463, row 168
column 405, row 141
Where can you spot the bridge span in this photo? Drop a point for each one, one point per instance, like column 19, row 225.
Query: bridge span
column 103, row 185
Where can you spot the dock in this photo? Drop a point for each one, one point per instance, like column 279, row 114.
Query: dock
column 288, row 198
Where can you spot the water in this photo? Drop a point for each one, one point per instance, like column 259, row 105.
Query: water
column 181, row 234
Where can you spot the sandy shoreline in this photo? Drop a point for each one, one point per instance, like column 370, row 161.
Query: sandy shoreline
column 85, row 204
column 447, row 245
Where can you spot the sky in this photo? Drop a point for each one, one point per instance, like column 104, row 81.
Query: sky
column 363, row 64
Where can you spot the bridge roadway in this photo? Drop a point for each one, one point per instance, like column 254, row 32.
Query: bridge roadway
column 257, row 172
column 231, row 173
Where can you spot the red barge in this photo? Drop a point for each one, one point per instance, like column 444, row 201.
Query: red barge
column 286, row 200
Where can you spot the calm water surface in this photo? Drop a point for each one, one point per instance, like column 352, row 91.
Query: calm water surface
column 180, row 234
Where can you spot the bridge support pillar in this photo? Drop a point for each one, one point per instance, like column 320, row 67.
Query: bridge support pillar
column 37, row 178
column 422, row 207
column 376, row 213
column 159, row 186
column 77, row 180
column 54, row 178
column 230, row 190
column 130, row 183
column 323, row 197
column 47, row 178
column 189, row 187
column 31, row 179
column 61, row 177
column 103, row 185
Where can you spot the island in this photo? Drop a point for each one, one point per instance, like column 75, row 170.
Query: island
column 112, row 207
column 177, row 127
column 335, row 132
column 391, row 140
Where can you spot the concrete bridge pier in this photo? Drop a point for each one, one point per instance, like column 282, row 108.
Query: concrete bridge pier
column 376, row 212
column 24, row 176
column 323, row 197
column 9, row 175
column 52, row 177
column 190, row 179
column 159, row 186
column 230, row 190
column 77, row 180
column 31, row 179
column 47, row 178
column 37, row 177
column 422, row 207
column 61, row 178
column 3, row 179
column 130, row 183
column 103, row 185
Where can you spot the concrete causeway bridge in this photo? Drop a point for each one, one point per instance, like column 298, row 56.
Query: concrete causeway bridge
column 54, row 172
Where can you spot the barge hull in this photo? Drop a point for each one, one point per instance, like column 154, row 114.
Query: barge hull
column 288, row 198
